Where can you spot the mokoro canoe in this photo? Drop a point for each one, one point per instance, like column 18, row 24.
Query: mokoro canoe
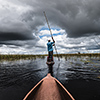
column 50, row 63
column 49, row 88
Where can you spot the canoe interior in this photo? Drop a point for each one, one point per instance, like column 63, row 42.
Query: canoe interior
column 49, row 88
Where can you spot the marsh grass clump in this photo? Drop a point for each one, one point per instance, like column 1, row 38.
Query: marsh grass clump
column 18, row 57
column 66, row 56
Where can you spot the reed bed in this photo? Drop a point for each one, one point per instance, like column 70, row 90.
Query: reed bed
column 75, row 56
column 18, row 57
column 79, row 55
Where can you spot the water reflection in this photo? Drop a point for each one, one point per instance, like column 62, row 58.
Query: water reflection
column 77, row 68
column 50, row 70
column 18, row 77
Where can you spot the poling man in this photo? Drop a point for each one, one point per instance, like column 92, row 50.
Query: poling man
column 50, row 48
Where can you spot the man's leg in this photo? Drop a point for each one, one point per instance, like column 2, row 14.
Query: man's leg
column 51, row 54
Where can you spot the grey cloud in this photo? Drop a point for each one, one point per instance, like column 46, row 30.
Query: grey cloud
column 77, row 17
column 83, row 44
column 93, row 48
column 79, row 48
column 40, row 46
column 75, row 47
column 28, row 44
column 13, row 36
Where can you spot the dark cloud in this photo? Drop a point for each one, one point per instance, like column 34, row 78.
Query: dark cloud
column 40, row 46
column 77, row 17
column 27, row 44
column 14, row 36
column 8, row 43
column 21, row 20
column 93, row 48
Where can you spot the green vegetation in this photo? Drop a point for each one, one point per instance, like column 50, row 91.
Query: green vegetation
column 67, row 56
column 78, row 55
column 18, row 57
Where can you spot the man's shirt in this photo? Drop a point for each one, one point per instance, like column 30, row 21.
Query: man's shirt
column 50, row 47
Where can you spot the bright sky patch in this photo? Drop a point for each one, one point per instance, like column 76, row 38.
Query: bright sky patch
column 44, row 32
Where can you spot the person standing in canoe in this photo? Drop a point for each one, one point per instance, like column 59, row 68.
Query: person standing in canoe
column 50, row 48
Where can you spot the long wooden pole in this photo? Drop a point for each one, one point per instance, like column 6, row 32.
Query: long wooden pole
column 51, row 33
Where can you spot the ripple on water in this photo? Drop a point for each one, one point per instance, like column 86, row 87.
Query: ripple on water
column 22, row 75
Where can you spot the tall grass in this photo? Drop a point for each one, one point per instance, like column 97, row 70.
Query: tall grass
column 18, row 57
column 83, row 54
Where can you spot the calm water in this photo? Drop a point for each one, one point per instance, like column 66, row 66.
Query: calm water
column 81, row 77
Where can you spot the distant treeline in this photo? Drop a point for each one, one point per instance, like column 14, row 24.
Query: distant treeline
column 17, row 57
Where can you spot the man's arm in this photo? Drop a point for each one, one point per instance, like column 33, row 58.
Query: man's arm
column 53, row 40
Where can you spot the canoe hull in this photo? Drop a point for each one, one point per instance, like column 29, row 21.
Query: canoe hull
column 49, row 88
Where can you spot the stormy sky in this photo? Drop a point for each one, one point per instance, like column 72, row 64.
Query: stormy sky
column 75, row 26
